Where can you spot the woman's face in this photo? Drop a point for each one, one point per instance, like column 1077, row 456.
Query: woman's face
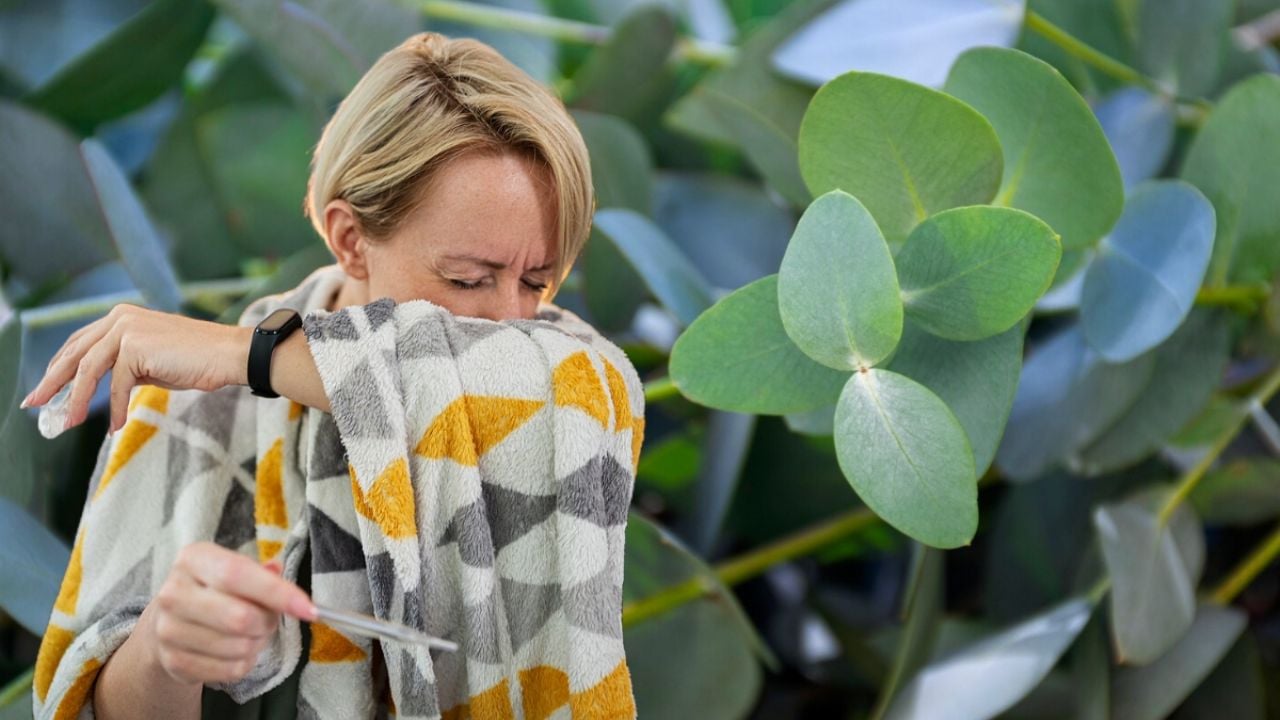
column 480, row 244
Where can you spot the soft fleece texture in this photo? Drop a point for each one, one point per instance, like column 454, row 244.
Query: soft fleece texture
column 472, row 481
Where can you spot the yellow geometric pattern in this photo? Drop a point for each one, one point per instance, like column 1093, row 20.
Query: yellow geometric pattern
column 610, row 698
column 76, row 695
column 544, row 689
column 52, row 647
column 330, row 646
column 268, row 494
column 492, row 704
column 389, row 502
column 472, row 424
column 69, row 593
column 575, row 383
column 133, row 436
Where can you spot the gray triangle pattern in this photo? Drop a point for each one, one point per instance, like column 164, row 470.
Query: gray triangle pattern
column 236, row 525
column 598, row 492
column 596, row 604
column 419, row 693
column 366, row 410
column 528, row 608
column 470, row 529
column 514, row 513
column 333, row 549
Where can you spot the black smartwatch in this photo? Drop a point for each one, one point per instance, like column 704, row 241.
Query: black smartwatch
column 275, row 327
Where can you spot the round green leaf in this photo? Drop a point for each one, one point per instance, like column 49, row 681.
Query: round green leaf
column 737, row 356
column 907, row 457
column 1154, row 569
column 1058, row 165
column 837, row 288
column 904, row 150
column 1245, row 491
column 1143, row 281
column 1233, row 160
column 977, row 380
column 972, row 272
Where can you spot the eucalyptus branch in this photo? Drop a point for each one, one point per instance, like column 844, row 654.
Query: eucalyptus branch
column 1248, row 569
column 1240, row 297
column 751, row 564
column 196, row 292
column 572, row 31
column 1220, row 443
column 1090, row 55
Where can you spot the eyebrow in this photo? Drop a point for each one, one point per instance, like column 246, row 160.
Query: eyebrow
column 490, row 263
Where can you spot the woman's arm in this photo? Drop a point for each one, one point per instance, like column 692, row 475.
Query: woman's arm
column 134, row 684
column 293, row 370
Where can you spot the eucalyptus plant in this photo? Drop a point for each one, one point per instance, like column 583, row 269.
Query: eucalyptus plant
column 917, row 288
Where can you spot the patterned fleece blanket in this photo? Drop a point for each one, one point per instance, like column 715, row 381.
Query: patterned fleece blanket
column 471, row 481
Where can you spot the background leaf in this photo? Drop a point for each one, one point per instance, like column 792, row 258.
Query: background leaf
column 916, row 40
column 1231, row 161
column 1153, row 691
column 32, row 562
column 1144, row 279
column 1154, row 571
column 988, row 677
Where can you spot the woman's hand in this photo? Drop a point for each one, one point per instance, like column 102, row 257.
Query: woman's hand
column 143, row 346
column 215, row 613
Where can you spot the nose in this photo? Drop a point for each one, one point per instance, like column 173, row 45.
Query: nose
column 507, row 303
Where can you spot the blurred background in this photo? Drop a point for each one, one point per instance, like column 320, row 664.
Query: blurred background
column 157, row 152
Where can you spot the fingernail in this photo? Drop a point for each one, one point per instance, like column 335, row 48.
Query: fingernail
column 303, row 608
column 26, row 400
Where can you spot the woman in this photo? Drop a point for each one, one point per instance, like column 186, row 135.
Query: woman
column 447, row 176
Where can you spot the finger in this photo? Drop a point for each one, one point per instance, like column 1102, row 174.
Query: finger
column 220, row 612
column 122, row 384
column 177, row 632
column 62, row 366
column 93, row 365
column 226, row 570
column 190, row 667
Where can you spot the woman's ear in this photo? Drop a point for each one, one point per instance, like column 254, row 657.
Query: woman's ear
column 345, row 241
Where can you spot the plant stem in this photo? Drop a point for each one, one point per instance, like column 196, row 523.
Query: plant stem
column 57, row 313
column 1087, row 53
column 558, row 29
column 660, row 389
column 1248, row 569
column 1092, row 56
column 1245, row 297
column 1220, row 443
column 10, row 693
column 751, row 564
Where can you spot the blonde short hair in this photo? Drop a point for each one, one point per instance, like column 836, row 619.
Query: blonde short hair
column 427, row 101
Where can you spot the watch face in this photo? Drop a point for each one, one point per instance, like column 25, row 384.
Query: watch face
column 276, row 320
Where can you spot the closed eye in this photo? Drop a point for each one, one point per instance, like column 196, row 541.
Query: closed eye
column 463, row 284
